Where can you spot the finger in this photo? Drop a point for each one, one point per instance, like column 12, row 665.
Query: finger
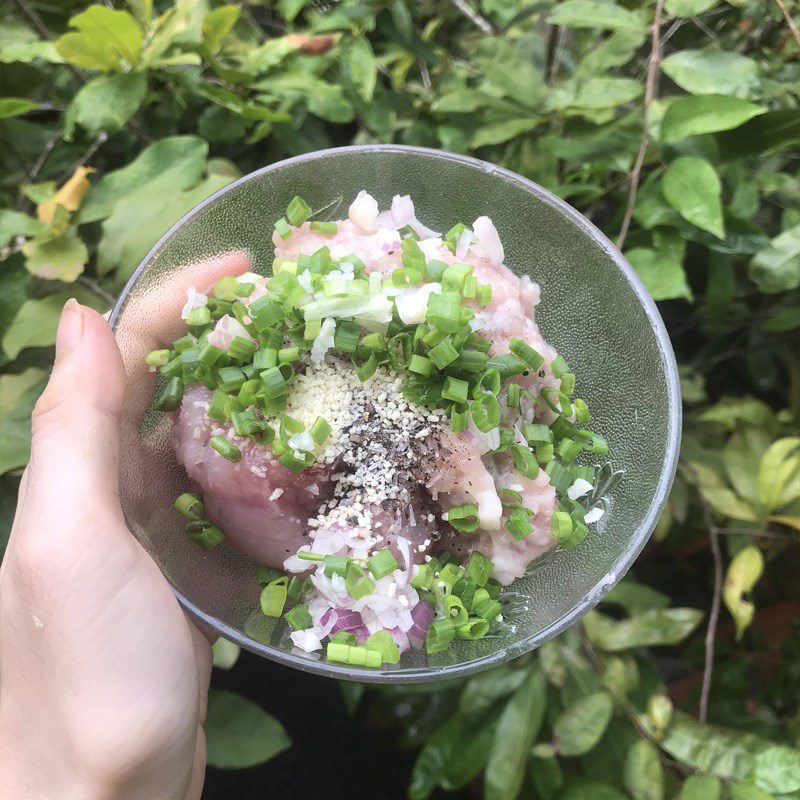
column 75, row 424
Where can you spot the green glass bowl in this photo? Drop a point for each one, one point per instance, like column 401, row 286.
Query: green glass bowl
column 594, row 310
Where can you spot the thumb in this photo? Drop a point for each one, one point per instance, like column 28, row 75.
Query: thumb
column 75, row 425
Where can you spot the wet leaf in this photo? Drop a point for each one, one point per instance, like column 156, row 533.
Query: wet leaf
column 691, row 186
column 712, row 71
column 18, row 394
column 644, row 775
column 657, row 627
column 691, row 116
column 240, row 733
column 517, row 729
column 579, row 728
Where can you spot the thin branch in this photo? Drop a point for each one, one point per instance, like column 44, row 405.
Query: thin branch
column 789, row 21
column 649, row 94
column 98, row 290
column 474, row 17
column 756, row 534
column 561, row 44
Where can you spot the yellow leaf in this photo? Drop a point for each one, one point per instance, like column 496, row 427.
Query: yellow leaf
column 69, row 195
column 743, row 574
column 791, row 522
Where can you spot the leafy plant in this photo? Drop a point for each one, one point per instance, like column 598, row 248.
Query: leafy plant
column 673, row 125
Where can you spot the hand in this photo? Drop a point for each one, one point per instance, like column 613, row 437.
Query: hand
column 103, row 678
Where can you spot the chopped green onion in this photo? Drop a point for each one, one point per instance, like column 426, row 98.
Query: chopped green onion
column 455, row 389
column 325, row 228
column 230, row 379
column 365, row 370
column 298, row 211
column 485, row 411
column 356, row 581
column 335, row 565
column 524, row 461
column 455, row 610
column 320, row 430
column 344, row 637
column 423, row 577
column 479, row 568
column 581, row 411
column 283, row 228
column 157, row 358
column 346, row 336
column 513, row 396
column 353, row 654
column 464, row 518
column 563, row 406
column 307, row 555
column 544, row 453
column 444, row 353
column 381, row 564
column 474, row 628
column 227, row 449
column 375, row 341
column 519, row 523
column 299, row 618
column 537, row 434
column 489, row 382
column 440, row 635
column 241, row 349
column 444, row 311
column 488, row 610
column 559, row 366
column 273, row 597
column 171, row 396
column 454, row 276
column 435, row 268
column 507, row 365
column 265, row 358
column 284, row 265
column 561, row 526
column 470, row 287
column 568, row 450
column 287, row 354
column 274, row 382
column 190, row 506
column 219, row 402
column 450, row 575
column 472, row 361
column 247, row 394
column 483, row 295
column 209, row 354
column 507, row 438
column 295, row 588
column 458, row 418
column 560, row 476
column 265, row 312
column 524, row 352
column 204, row 534
column 453, row 235
column 400, row 347
column 568, row 383
column 422, row 391
column 383, row 643
column 265, row 575
column 420, row 365
column 413, row 258
column 509, row 498
column 465, row 590
column 225, row 288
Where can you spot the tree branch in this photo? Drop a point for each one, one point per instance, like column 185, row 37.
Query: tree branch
column 649, row 94
column 789, row 21
column 474, row 17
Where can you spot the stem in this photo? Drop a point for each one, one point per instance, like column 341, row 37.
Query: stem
column 789, row 21
column 649, row 94
column 474, row 17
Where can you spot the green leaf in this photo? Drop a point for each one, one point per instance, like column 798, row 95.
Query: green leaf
column 762, row 134
column 13, row 280
column 718, row 495
column 777, row 769
column 15, row 223
column 661, row 275
column 27, row 52
column 644, row 775
column 18, row 395
column 35, row 325
column 169, row 165
column 485, row 689
column 709, row 748
column 591, row 14
column 742, row 575
column 708, row 113
column 104, row 39
column 744, row 791
column 658, row 627
column 712, row 72
column 776, row 268
column 635, row 597
column 580, row 727
column 352, row 694
column 516, row 731
column 581, row 789
column 106, row 103
column 240, row 733
column 596, row 93
column 700, row 787
column 226, row 653
column 779, row 474
column 499, row 132
column 14, row 106
column 61, row 258
column 740, row 460
column 688, row 8
column 691, row 186
column 361, row 66
column 218, row 24
column 546, row 775
column 289, row 9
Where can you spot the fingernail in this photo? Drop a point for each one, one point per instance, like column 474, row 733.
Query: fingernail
column 70, row 328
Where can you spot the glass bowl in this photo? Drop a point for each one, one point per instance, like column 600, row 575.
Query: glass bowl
column 594, row 310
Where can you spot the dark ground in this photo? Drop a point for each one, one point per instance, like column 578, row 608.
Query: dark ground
column 333, row 755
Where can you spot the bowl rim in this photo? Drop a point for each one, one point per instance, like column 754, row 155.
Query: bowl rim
column 646, row 526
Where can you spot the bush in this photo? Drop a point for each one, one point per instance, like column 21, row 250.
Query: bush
column 673, row 126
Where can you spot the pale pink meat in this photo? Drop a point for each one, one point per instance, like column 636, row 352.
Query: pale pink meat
column 262, row 506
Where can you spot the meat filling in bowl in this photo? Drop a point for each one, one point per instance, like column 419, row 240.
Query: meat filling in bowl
column 381, row 425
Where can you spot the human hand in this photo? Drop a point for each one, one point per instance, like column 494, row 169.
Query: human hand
column 103, row 678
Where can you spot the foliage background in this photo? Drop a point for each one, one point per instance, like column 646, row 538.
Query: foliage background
column 674, row 126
